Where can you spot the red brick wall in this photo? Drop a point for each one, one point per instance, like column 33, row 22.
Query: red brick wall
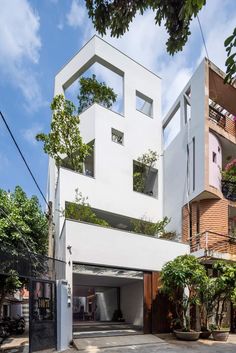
column 230, row 127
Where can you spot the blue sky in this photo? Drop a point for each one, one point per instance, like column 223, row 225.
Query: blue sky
column 37, row 37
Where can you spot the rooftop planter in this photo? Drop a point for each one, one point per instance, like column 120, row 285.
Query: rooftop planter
column 228, row 182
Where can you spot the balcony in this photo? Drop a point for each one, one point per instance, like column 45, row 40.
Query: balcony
column 213, row 245
column 229, row 189
column 222, row 118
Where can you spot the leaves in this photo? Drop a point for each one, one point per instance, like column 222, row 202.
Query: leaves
column 64, row 139
column 31, row 223
column 117, row 15
column 81, row 210
column 93, row 91
column 230, row 44
column 142, row 226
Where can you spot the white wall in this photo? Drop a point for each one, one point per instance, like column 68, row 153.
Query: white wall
column 178, row 186
column 131, row 300
column 106, row 304
column 112, row 187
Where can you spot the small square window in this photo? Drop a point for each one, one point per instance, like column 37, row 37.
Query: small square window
column 144, row 104
column 117, row 136
column 214, row 159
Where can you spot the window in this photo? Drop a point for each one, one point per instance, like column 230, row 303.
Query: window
column 144, row 104
column 117, row 136
column 145, row 179
column 193, row 163
column 214, row 158
column 187, row 109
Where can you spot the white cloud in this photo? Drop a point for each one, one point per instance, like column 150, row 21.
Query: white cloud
column 20, row 45
column 30, row 133
column 77, row 14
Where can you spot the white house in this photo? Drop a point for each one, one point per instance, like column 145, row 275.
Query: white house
column 112, row 274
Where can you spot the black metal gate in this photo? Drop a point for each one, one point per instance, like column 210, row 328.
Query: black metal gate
column 41, row 273
column 43, row 328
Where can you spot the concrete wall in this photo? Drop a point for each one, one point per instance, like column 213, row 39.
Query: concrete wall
column 215, row 166
column 131, row 300
column 106, row 304
column 178, row 179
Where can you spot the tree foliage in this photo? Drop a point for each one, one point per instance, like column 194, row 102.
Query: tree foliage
column 117, row 15
column 81, row 210
column 93, row 91
column 24, row 213
column 64, row 139
column 230, row 45
column 23, row 229
column 182, row 280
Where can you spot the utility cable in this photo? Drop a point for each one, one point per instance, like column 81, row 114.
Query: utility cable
column 23, row 158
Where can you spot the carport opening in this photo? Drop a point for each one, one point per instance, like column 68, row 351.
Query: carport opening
column 106, row 301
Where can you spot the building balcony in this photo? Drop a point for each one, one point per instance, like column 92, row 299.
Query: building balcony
column 229, row 189
column 213, row 245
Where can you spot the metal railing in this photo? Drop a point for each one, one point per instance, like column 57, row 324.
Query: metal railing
column 229, row 189
column 217, row 116
column 212, row 242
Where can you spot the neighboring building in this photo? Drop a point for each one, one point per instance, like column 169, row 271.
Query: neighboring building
column 109, row 268
column 200, row 140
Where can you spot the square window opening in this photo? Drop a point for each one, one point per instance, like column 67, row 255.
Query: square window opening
column 144, row 104
column 214, row 157
column 117, row 136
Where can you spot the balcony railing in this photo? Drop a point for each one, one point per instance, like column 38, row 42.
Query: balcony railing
column 212, row 243
column 229, row 189
column 217, row 117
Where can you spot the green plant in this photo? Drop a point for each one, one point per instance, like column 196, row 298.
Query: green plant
column 182, row 280
column 81, row 210
column 230, row 44
column 168, row 235
column 64, row 139
column 229, row 172
column 143, row 226
column 93, row 91
column 142, row 169
column 206, row 302
column 224, row 289
column 23, row 229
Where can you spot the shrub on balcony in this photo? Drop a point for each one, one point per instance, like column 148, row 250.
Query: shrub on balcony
column 143, row 226
column 229, row 173
column 81, row 210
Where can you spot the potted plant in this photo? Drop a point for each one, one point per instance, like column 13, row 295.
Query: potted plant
column 224, row 291
column 182, row 280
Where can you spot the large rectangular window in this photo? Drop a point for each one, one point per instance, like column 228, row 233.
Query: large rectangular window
column 145, row 179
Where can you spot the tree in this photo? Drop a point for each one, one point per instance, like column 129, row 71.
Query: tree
column 117, row 15
column 64, row 142
column 230, row 45
column 93, row 91
column 182, row 280
column 224, row 289
column 23, row 229
column 64, row 139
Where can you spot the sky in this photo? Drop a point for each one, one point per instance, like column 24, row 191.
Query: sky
column 37, row 37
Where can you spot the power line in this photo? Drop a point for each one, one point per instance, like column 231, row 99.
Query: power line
column 203, row 39
column 23, row 158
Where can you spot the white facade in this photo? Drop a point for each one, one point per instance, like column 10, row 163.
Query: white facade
column 111, row 188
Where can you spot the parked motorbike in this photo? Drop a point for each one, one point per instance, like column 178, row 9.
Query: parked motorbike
column 16, row 325
column 4, row 330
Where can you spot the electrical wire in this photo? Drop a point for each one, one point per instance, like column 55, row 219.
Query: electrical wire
column 203, row 39
column 23, row 158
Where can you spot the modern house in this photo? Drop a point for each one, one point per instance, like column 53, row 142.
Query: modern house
column 112, row 273
column 200, row 142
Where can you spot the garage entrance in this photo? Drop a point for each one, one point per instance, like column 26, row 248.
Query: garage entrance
column 107, row 301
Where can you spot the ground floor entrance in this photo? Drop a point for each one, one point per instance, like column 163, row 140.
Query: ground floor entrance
column 112, row 302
